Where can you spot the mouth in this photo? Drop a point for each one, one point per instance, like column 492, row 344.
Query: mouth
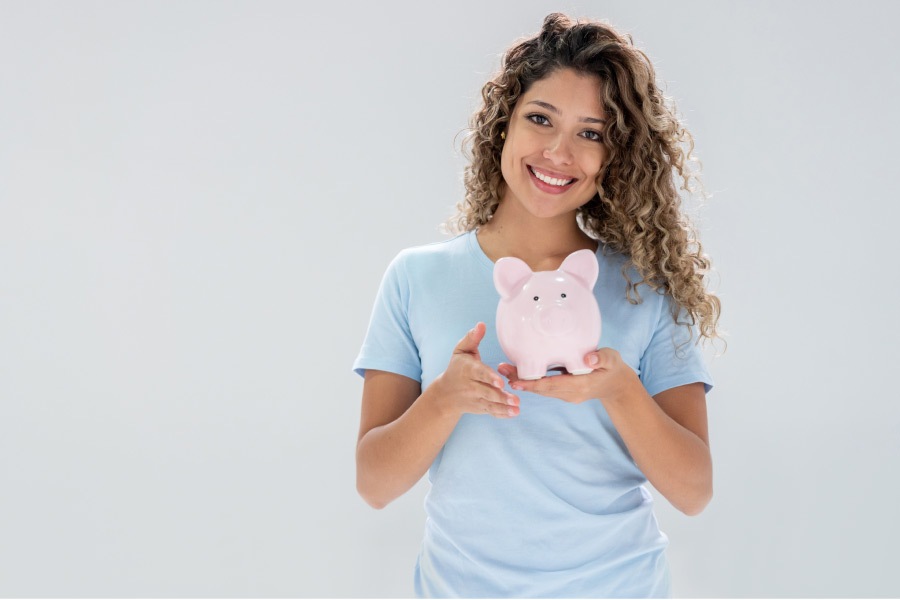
column 547, row 183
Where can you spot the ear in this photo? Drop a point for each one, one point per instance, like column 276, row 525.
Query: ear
column 510, row 274
column 583, row 265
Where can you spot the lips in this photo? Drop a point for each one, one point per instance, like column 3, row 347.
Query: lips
column 551, row 180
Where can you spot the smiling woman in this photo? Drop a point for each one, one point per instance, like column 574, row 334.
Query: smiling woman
column 538, row 485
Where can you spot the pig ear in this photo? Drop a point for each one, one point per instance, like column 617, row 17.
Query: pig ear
column 510, row 274
column 583, row 265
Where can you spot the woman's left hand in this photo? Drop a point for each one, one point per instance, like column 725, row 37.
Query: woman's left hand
column 610, row 380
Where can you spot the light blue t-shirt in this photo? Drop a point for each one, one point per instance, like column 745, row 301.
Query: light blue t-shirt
column 548, row 503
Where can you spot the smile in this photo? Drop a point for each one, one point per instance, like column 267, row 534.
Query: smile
column 547, row 183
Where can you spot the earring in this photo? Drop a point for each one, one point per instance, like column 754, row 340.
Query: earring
column 502, row 135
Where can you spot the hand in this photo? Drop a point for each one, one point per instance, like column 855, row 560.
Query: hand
column 611, row 380
column 470, row 386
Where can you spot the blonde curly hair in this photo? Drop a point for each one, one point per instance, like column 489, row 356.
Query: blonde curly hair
column 637, row 208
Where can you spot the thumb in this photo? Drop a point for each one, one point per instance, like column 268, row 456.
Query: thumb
column 598, row 358
column 469, row 344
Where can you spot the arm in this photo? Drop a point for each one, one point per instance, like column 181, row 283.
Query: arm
column 666, row 435
column 402, row 430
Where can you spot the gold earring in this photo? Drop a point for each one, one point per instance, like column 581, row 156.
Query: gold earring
column 502, row 135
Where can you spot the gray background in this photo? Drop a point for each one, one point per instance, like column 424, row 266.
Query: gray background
column 197, row 203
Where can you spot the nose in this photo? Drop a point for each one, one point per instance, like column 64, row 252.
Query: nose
column 559, row 151
column 555, row 320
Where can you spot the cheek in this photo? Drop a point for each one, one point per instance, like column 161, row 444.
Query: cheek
column 510, row 159
column 506, row 155
column 504, row 164
column 594, row 162
column 591, row 167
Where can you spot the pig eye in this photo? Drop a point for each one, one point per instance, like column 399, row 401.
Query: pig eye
column 535, row 298
column 563, row 295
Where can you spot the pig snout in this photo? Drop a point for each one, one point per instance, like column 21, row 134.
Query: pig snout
column 555, row 320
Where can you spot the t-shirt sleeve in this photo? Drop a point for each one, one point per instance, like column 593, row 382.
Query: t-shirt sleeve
column 389, row 344
column 673, row 357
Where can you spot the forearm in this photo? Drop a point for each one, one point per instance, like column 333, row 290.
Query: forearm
column 675, row 460
column 390, row 459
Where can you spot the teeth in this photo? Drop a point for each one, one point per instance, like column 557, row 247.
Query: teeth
column 551, row 180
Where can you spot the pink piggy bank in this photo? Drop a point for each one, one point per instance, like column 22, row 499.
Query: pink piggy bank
column 548, row 319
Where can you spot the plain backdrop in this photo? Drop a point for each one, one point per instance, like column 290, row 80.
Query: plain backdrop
column 198, row 200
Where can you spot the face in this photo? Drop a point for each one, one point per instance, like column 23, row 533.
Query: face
column 553, row 149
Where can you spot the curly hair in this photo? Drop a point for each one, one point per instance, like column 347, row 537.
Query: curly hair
column 637, row 208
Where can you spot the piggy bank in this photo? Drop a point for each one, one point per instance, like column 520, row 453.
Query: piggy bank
column 548, row 319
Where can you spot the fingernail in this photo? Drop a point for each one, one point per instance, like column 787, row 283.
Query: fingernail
column 511, row 412
column 517, row 386
column 511, row 400
column 498, row 384
column 593, row 359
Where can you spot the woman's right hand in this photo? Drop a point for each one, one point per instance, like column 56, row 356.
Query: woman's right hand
column 470, row 386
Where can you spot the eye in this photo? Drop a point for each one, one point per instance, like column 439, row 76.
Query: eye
column 538, row 119
column 535, row 298
column 592, row 135
column 563, row 295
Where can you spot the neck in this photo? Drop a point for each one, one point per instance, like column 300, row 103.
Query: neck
column 541, row 243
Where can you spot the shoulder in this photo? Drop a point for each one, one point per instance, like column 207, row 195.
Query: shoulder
column 433, row 258
column 435, row 250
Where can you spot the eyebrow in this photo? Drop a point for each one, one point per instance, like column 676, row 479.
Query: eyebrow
column 555, row 110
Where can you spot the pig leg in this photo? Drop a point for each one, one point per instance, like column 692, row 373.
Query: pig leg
column 577, row 366
column 531, row 370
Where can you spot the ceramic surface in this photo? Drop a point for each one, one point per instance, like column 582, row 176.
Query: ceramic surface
column 548, row 319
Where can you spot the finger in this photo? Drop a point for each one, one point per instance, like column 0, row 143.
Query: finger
column 592, row 359
column 483, row 374
column 543, row 385
column 527, row 385
column 509, row 371
column 500, row 409
column 469, row 343
column 497, row 395
column 599, row 359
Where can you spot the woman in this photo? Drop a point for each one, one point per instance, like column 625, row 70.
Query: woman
column 537, row 486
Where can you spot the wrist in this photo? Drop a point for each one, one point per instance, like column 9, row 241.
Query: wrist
column 437, row 401
column 629, row 389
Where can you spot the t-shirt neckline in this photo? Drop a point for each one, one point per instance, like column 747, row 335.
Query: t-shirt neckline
column 478, row 251
column 483, row 258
